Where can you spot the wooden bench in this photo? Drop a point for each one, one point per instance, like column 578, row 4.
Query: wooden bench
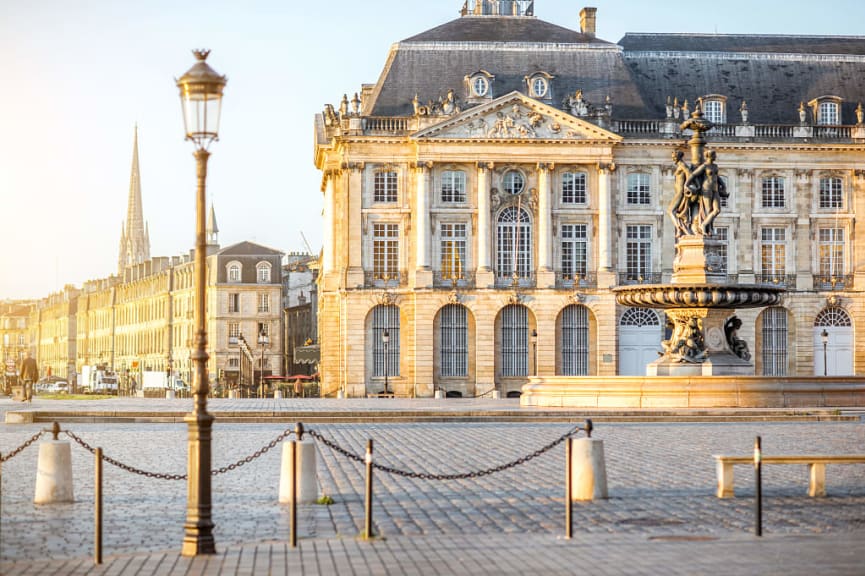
column 816, row 469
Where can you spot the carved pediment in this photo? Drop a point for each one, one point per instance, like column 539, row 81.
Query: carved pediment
column 516, row 117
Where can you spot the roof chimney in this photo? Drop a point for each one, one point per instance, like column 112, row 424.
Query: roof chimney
column 587, row 21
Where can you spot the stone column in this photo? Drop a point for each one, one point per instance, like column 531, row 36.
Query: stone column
column 545, row 275
column 606, row 274
column 354, row 238
column 329, row 232
column 484, row 275
column 801, row 241
column 423, row 273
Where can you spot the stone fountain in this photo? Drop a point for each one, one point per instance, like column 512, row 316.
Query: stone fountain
column 699, row 302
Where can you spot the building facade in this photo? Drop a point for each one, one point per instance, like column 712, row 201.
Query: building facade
column 504, row 173
column 14, row 339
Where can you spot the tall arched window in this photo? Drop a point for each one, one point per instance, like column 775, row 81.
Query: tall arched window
column 234, row 271
column 515, row 340
column 454, row 333
column 774, row 341
column 385, row 318
column 263, row 272
column 513, row 243
column 575, row 341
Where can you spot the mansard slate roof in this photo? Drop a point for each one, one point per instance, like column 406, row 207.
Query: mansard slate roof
column 772, row 73
column 248, row 249
column 432, row 62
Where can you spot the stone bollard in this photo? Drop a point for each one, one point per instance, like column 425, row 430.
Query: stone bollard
column 588, row 470
column 340, row 394
column 169, row 394
column 496, row 395
column 277, row 394
column 307, row 484
column 439, row 395
column 54, row 473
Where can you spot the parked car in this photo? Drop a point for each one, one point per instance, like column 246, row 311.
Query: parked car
column 51, row 385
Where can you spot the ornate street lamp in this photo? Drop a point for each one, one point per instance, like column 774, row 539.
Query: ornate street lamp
column 535, row 351
column 385, row 338
column 263, row 341
column 201, row 96
column 824, row 336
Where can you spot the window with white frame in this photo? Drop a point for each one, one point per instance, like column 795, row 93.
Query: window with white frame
column 725, row 200
column 262, row 272
column 233, row 302
column 454, row 337
column 453, row 187
column 514, row 337
column 480, row 86
column 638, row 251
column 831, row 193
column 264, row 302
column 234, row 272
column 385, row 318
column 830, row 251
column 385, row 250
column 774, row 350
column 722, row 234
column 573, row 188
column 263, row 329
column 233, row 332
column 772, row 195
column 513, row 244
column 540, row 86
column 574, row 344
column 827, row 114
column 574, row 250
column 453, row 249
column 639, row 189
column 384, row 186
column 714, row 111
column 773, row 251
column 513, row 182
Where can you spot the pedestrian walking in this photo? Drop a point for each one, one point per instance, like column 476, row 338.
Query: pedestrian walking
column 29, row 374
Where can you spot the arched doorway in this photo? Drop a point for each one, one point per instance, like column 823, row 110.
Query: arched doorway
column 773, row 345
column 834, row 357
column 640, row 335
column 573, row 341
column 382, row 357
column 453, row 349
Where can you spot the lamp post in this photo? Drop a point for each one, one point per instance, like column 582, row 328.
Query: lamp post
column 385, row 338
column 201, row 98
column 535, row 352
column 824, row 336
column 263, row 341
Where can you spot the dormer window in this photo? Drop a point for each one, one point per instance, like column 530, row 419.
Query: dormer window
column 715, row 109
column 234, row 271
column 479, row 86
column 538, row 85
column 827, row 110
column 263, row 272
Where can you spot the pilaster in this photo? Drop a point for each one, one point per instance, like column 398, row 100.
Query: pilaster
column 546, row 278
column 423, row 232
column 354, row 243
column 484, row 275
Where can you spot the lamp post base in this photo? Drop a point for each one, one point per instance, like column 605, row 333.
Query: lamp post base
column 198, row 528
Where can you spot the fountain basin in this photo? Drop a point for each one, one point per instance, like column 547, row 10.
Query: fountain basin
column 670, row 296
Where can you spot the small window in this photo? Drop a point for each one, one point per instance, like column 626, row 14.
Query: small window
column 827, row 114
column 264, row 302
column 773, row 192
column 234, row 302
column 714, row 111
column 480, row 86
column 831, row 193
column 453, row 186
column 540, row 87
column 574, row 188
column 639, row 189
column 513, row 182
column 384, row 187
column 263, row 329
column 263, row 272
column 234, row 270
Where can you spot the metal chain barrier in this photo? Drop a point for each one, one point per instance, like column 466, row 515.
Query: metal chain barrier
column 23, row 447
column 456, row 476
column 159, row 476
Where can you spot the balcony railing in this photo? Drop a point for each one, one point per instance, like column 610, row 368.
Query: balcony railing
column 782, row 280
column 386, row 124
column 384, row 279
column 626, row 278
column 574, row 281
column 523, row 281
column 833, row 282
column 447, row 280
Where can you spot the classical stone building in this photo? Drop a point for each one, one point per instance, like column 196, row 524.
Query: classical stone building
column 504, row 173
column 14, row 338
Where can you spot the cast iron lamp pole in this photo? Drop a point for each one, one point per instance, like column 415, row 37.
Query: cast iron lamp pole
column 263, row 341
column 824, row 336
column 535, row 352
column 201, row 97
column 385, row 338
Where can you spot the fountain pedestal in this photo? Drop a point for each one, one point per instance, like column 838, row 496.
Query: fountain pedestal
column 698, row 260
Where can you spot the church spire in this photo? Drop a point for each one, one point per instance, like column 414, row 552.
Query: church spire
column 212, row 229
column 134, row 238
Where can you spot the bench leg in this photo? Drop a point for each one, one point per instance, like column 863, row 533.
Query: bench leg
column 817, row 484
column 724, row 473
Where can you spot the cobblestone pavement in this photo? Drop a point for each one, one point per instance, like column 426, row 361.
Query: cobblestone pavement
column 661, row 479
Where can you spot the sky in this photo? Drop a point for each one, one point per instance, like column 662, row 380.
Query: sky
column 78, row 75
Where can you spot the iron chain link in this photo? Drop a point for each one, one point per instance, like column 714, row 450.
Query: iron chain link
column 23, row 447
column 457, row 476
column 267, row 447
